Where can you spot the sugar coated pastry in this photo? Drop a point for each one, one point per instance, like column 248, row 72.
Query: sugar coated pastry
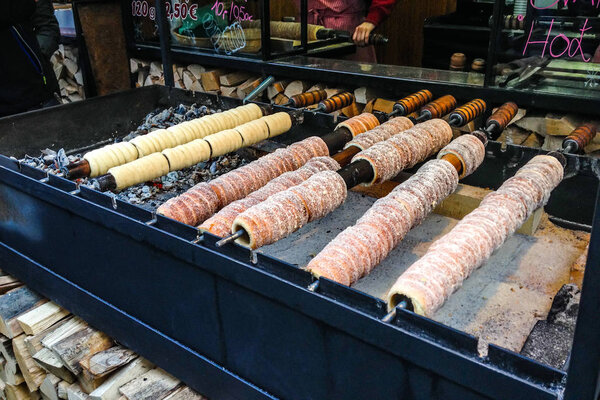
column 405, row 149
column 450, row 260
column 359, row 248
column 220, row 223
column 287, row 211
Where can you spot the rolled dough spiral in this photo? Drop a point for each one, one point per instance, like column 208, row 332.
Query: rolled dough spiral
column 359, row 124
column 238, row 183
column 406, row 149
column 450, row 260
column 101, row 160
column 287, row 211
column 358, row 249
column 220, row 223
column 380, row 133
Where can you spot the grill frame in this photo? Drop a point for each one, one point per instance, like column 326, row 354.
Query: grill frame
column 130, row 294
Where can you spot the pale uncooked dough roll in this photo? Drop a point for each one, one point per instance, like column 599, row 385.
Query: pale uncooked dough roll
column 224, row 142
column 139, row 171
column 450, row 260
column 101, row 160
column 253, row 132
column 188, row 154
column 278, row 123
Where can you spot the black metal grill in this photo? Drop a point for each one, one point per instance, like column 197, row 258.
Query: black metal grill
column 234, row 324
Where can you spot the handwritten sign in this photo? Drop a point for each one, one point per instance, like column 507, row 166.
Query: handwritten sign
column 237, row 13
column 229, row 40
column 559, row 45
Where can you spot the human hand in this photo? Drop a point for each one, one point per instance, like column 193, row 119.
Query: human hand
column 362, row 32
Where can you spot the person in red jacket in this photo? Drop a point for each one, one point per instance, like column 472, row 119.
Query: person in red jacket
column 354, row 16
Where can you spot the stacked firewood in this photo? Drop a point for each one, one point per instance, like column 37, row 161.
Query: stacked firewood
column 65, row 62
column 48, row 353
column 236, row 84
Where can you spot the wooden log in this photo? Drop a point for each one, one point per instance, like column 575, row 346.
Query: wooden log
column 74, row 392
column 134, row 65
column 275, row 89
column 34, row 342
column 351, row 111
column 295, row 87
column 229, row 91
column 75, row 347
column 184, row 393
column 248, row 86
column 211, row 79
column 89, row 383
column 71, row 53
column 369, row 106
column 363, row 95
column 281, row 99
column 383, row 105
column 16, row 392
column 196, row 70
column 154, row 384
column 156, row 69
column 234, row 78
column 14, row 303
column 110, row 388
column 105, row 362
column 59, row 71
column 142, row 76
column 52, row 364
column 61, row 390
column 316, row 86
column 32, row 373
column 9, row 373
column 78, row 76
column 68, row 327
column 40, row 318
column 71, row 66
column 188, row 79
column 332, row 91
column 49, row 387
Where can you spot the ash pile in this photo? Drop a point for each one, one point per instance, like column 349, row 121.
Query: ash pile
column 151, row 194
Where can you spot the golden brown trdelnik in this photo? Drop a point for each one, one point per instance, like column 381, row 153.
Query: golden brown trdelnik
column 361, row 123
column 197, row 204
column 358, row 249
column 220, row 223
column 406, row 149
column 380, row 133
column 451, row 259
column 285, row 212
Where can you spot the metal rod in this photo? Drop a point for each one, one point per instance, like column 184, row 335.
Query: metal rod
column 259, row 89
column 455, row 120
column 231, row 238
column 304, row 25
column 164, row 33
column 265, row 25
column 496, row 28
column 570, row 148
column 77, row 170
